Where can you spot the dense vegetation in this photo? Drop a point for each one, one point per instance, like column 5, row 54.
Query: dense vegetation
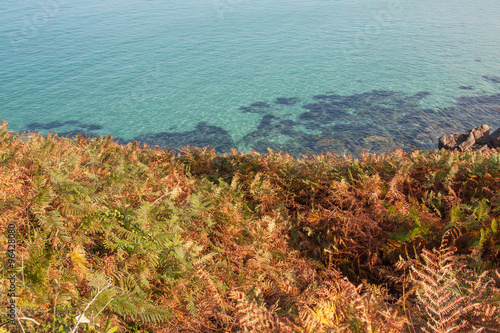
column 151, row 240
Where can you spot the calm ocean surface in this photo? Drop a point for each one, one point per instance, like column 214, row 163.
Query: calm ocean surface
column 302, row 76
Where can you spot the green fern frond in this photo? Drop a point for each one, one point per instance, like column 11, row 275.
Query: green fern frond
column 135, row 307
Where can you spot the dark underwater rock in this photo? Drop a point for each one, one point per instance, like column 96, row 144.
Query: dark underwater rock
column 257, row 107
column 288, row 122
column 379, row 143
column 480, row 100
column 323, row 112
column 383, row 93
column 375, row 121
column 422, row 94
column 327, row 144
column 91, row 127
column 491, row 78
column 332, row 98
column 46, row 126
column 265, row 123
column 56, row 124
column 466, row 87
column 262, row 105
column 287, row 100
column 478, row 109
column 202, row 136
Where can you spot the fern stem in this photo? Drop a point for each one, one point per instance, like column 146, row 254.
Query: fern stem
column 22, row 271
column 54, row 314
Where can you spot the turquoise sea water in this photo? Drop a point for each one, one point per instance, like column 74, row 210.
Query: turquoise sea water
column 352, row 74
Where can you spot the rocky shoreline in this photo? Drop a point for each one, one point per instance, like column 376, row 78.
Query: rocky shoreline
column 475, row 139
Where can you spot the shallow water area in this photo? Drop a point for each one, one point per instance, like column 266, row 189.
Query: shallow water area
column 305, row 77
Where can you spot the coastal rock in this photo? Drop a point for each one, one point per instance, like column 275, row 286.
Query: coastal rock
column 451, row 141
column 475, row 139
column 494, row 139
column 480, row 134
column 468, row 143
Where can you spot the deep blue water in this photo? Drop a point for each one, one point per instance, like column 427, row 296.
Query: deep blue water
column 301, row 76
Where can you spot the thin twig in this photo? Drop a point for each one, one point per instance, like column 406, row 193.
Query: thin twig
column 180, row 191
column 20, row 325
column 99, row 291
column 18, row 319
column 94, row 317
column 29, row 319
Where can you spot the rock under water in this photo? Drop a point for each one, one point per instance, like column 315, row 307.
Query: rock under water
column 203, row 135
column 376, row 121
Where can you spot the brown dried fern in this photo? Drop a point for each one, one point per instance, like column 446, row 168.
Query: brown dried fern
column 253, row 317
column 347, row 308
column 438, row 291
column 452, row 297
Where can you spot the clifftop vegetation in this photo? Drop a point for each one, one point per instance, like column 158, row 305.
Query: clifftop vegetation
column 134, row 239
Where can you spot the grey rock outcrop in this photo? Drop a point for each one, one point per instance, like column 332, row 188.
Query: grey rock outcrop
column 475, row 139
